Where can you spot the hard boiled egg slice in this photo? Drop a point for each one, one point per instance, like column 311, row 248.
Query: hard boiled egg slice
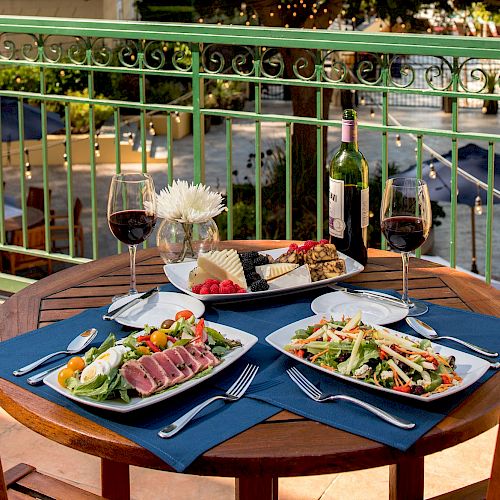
column 113, row 356
column 98, row 367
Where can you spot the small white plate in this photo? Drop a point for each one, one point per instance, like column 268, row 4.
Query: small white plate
column 178, row 275
column 372, row 312
column 162, row 306
column 117, row 405
column 469, row 367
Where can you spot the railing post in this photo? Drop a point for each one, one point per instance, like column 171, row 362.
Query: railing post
column 198, row 118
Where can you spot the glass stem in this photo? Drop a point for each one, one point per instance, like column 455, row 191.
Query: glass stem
column 405, row 256
column 132, row 251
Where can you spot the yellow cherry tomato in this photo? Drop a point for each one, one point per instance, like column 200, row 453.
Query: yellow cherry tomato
column 159, row 339
column 142, row 349
column 76, row 364
column 64, row 375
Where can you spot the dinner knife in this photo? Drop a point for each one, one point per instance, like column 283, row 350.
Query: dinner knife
column 116, row 312
column 371, row 295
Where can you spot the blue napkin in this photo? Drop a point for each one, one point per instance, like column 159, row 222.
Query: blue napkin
column 271, row 391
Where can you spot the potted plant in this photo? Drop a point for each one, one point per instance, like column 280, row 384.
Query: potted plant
column 490, row 107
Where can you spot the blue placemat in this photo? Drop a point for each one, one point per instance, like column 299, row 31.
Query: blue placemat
column 272, row 390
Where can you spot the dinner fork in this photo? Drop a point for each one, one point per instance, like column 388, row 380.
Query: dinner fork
column 241, row 384
column 314, row 393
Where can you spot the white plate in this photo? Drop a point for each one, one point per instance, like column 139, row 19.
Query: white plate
column 372, row 312
column 469, row 367
column 117, row 405
column 161, row 306
column 178, row 275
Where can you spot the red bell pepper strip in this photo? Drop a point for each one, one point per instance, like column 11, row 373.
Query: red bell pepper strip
column 300, row 353
column 199, row 330
column 143, row 338
column 446, row 378
column 402, row 388
column 152, row 346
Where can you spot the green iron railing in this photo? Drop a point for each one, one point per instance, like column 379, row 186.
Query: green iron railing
column 198, row 54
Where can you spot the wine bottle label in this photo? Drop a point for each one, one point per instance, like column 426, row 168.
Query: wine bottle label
column 336, row 224
column 365, row 207
column 349, row 131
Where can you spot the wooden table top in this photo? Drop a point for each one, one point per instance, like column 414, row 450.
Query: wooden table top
column 276, row 447
column 34, row 217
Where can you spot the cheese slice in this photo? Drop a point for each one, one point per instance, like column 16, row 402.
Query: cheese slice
column 270, row 271
column 197, row 276
column 297, row 277
column 223, row 265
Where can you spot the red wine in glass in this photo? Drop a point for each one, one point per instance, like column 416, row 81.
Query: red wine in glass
column 405, row 219
column 404, row 233
column 132, row 226
column 131, row 213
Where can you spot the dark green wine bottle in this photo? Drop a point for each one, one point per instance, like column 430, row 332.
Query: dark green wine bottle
column 349, row 194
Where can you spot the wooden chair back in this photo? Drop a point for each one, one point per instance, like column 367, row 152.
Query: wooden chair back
column 36, row 241
column 35, row 197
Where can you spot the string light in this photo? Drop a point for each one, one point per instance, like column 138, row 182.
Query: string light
column 131, row 138
column 27, row 165
column 432, row 171
column 177, row 117
column 97, row 151
column 152, row 130
column 478, row 205
column 271, row 14
column 398, row 140
column 200, row 20
column 65, row 160
column 372, row 113
column 362, row 101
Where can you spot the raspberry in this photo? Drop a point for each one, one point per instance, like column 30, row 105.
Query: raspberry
column 309, row 244
column 323, row 242
column 241, row 290
column 196, row 288
column 204, row 290
column 214, row 288
column 226, row 282
column 227, row 289
column 302, row 249
column 293, row 247
column 211, row 281
column 259, row 286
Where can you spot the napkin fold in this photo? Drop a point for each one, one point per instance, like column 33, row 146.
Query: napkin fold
column 271, row 390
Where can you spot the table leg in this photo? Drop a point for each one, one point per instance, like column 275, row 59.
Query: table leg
column 115, row 480
column 261, row 487
column 406, row 479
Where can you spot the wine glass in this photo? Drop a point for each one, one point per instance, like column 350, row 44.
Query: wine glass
column 406, row 218
column 131, row 213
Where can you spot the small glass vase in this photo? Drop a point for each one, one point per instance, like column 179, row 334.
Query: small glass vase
column 179, row 241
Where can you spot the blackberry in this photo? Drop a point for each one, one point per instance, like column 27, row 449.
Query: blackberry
column 252, row 277
column 249, row 255
column 247, row 265
column 259, row 286
column 260, row 260
column 417, row 389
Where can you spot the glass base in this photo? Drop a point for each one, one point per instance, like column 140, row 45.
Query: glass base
column 129, row 294
column 417, row 308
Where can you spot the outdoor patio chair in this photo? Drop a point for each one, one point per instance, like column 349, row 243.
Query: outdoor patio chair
column 59, row 230
column 36, row 241
column 24, row 482
column 35, row 197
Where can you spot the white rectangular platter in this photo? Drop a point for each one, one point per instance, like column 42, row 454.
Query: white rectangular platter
column 178, row 275
column 469, row 367
column 117, row 405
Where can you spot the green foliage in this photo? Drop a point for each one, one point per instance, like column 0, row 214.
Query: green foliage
column 226, row 95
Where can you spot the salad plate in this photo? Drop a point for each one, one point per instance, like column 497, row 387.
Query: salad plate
column 468, row 368
column 178, row 275
column 158, row 307
column 373, row 312
column 247, row 340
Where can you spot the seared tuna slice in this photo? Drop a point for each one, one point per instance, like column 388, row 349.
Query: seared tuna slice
column 202, row 347
column 173, row 373
column 177, row 360
column 190, row 361
column 156, row 371
column 199, row 356
column 135, row 374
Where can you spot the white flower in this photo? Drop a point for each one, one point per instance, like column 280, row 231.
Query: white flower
column 186, row 203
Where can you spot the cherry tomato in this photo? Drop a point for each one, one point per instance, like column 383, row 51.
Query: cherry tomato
column 76, row 364
column 186, row 314
column 64, row 375
column 142, row 349
column 159, row 338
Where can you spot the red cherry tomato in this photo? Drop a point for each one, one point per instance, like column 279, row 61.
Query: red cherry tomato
column 186, row 314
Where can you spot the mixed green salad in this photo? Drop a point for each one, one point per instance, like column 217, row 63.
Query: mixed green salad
column 375, row 356
column 100, row 373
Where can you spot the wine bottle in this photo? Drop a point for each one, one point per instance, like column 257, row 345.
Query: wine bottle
column 349, row 194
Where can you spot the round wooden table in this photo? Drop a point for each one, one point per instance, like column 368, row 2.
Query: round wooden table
column 275, row 448
column 34, row 217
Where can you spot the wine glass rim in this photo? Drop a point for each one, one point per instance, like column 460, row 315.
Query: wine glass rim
column 407, row 180
column 132, row 177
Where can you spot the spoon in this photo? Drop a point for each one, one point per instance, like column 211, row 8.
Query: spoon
column 76, row 345
column 429, row 333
